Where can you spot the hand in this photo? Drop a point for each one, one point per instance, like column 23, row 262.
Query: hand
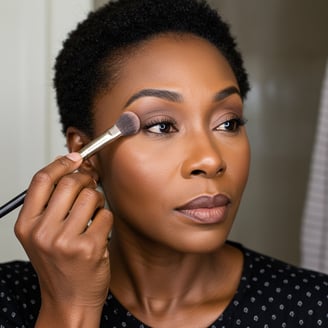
column 69, row 253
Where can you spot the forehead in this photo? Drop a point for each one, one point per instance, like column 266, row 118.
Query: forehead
column 171, row 59
column 184, row 63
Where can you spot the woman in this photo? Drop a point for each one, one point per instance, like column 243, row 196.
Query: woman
column 172, row 190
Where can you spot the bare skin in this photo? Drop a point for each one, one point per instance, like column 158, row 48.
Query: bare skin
column 169, row 267
column 64, row 254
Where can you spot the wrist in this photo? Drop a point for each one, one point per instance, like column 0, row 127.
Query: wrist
column 68, row 315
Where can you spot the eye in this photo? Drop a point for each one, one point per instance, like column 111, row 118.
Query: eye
column 231, row 125
column 161, row 126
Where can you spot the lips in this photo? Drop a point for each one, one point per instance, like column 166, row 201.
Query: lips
column 206, row 209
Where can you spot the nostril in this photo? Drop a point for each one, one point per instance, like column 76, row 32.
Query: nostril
column 220, row 171
column 205, row 173
column 197, row 172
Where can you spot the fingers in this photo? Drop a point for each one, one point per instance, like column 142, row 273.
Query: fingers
column 85, row 207
column 61, row 201
column 44, row 182
column 69, row 255
column 101, row 224
column 72, row 189
column 52, row 194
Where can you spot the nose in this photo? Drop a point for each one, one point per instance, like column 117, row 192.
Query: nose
column 204, row 157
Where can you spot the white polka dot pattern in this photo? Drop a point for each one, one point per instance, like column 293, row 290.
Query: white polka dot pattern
column 19, row 295
column 271, row 294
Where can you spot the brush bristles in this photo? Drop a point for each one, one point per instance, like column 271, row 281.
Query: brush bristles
column 128, row 123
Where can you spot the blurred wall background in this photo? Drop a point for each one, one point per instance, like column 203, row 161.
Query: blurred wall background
column 285, row 45
column 31, row 33
column 285, row 48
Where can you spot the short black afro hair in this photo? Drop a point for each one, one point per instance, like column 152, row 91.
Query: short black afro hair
column 83, row 67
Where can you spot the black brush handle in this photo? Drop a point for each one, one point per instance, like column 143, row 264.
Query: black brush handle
column 127, row 124
column 12, row 204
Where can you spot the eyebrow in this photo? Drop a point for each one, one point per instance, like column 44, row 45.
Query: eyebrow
column 158, row 93
column 226, row 93
column 177, row 97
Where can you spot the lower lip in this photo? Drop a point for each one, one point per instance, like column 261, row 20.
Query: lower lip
column 206, row 215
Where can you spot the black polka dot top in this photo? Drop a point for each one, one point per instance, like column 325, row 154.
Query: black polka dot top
column 271, row 294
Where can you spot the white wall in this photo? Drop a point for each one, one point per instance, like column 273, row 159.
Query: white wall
column 31, row 33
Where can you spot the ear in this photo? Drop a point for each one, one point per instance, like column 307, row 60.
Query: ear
column 76, row 140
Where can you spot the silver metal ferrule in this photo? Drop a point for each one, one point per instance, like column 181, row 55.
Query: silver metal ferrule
column 98, row 143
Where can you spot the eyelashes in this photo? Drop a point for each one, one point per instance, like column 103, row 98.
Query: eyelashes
column 160, row 125
column 166, row 125
column 163, row 127
column 232, row 125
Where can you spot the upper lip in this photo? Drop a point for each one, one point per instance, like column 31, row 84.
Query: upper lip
column 206, row 201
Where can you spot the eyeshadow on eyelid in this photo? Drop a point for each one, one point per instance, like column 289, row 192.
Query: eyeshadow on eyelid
column 146, row 112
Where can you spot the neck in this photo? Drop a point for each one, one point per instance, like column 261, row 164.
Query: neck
column 158, row 280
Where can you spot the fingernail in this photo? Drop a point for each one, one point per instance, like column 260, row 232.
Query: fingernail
column 75, row 157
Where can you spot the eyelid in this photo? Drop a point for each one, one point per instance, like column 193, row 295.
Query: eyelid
column 152, row 122
column 227, row 117
column 157, row 119
column 239, row 120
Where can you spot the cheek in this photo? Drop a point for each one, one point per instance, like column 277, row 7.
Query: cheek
column 239, row 165
column 134, row 178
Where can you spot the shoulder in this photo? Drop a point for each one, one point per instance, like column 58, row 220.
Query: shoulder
column 19, row 294
column 262, row 267
column 275, row 290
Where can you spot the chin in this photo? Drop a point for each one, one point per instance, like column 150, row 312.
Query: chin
column 201, row 243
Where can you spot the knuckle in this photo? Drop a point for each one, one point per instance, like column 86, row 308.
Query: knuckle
column 84, row 250
column 19, row 230
column 68, row 181
column 36, row 238
column 106, row 214
column 39, row 239
column 63, row 161
column 88, row 251
column 91, row 195
column 39, row 236
column 41, row 177
column 62, row 245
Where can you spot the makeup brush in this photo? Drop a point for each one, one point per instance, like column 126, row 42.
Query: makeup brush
column 127, row 124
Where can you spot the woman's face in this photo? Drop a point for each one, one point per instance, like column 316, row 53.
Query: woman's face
column 179, row 181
